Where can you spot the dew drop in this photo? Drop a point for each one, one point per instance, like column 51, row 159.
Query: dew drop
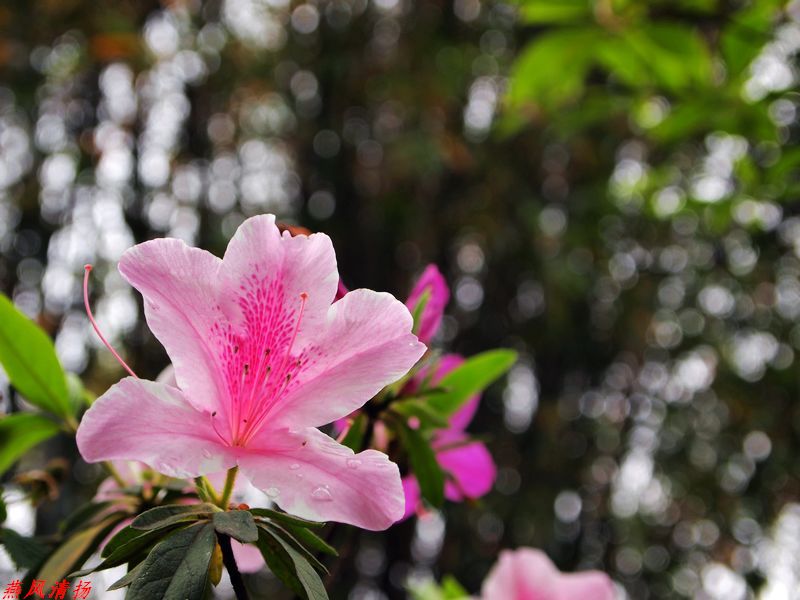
column 299, row 475
column 273, row 492
column 353, row 463
column 294, row 467
column 322, row 493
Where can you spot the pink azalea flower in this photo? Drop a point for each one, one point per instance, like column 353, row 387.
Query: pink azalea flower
column 528, row 574
column 433, row 282
column 468, row 465
column 262, row 357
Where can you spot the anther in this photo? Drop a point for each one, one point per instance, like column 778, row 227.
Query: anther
column 87, row 270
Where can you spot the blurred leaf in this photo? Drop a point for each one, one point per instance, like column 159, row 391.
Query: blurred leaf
column 76, row 549
column 79, row 396
column 164, row 516
column 291, row 567
column 419, row 408
column 554, row 11
column 449, row 589
column 470, row 378
column 29, row 358
column 19, row 432
column 419, row 311
column 177, row 567
column 238, row 524
column 551, row 69
column 423, row 464
column 26, row 552
column 310, row 539
column 354, row 437
column 83, row 515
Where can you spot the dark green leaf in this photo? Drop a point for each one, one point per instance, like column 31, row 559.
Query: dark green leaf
column 290, row 566
column 297, row 545
column 129, row 543
column 19, row 432
column 312, row 540
column 29, row 358
column 164, row 516
column 83, row 516
column 26, row 552
column 424, row 464
column 177, row 567
column 284, row 518
column 414, row 407
column 470, row 378
column 238, row 524
column 74, row 551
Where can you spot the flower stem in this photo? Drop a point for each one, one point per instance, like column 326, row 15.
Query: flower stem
column 114, row 474
column 230, row 564
column 227, row 491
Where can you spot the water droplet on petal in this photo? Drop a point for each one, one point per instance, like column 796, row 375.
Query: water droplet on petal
column 273, row 492
column 353, row 463
column 322, row 493
column 299, row 475
column 294, row 467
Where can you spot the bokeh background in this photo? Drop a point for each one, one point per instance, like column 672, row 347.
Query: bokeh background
column 610, row 187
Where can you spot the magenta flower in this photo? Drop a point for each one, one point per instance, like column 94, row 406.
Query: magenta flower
column 262, row 358
column 432, row 282
column 468, row 465
column 528, row 574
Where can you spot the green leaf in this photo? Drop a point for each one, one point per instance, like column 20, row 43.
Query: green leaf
column 554, row 11
column 288, row 565
column 297, row 545
column 26, row 552
column 449, row 589
column 312, row 540
column 73, row 552
column 424, row 464
column 354, row 437
column 19, row 432
column 83, row 516
column 129, row 543
column 470, row 378
column 3, row 510
column 164, row 516
column 419, row 311
column 414, row 407
column 176, row 568
column 238, row 524
column 284, row 518
column 29, row 358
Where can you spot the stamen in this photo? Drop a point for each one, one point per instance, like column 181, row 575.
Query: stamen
column 214, row 427
column 87, row 270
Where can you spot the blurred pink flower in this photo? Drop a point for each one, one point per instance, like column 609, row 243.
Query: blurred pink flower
column 432, row 282
column 468, row 466
column 528, row 574
column 262, row 358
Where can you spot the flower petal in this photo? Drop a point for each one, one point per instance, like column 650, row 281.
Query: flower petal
column 302, row 264
column 155, row 424
column 310, row 475
column 470, row 465
column 413, row 495
column 182, row 306
column 248, row 557
column 524, row 574
column 434, row 283
column 587, row 584
column 366, row 345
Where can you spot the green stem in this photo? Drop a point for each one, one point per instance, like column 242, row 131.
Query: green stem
column 227, row 491
column 203, row 482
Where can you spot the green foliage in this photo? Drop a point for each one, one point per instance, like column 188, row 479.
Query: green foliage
column 27, row 553
column 289, row 565
column 423, row 463
column 29, row 358
column 470, row 378
column 238, row 524
column 176, row 568
column 166, row 516
column 449, row 589
column 19, row 432
column 355, row 434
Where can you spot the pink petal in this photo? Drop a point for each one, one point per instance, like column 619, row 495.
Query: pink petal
column 300, row 264
column 432, row 281
column 366, row 345
column 155, row 424
column 341, row 290
column 412, row 494
column 470, row 466
column 528, row 574
column 524, row 574
column 248, row 557
column 181, row 303
column 310, row 475
column 588, row 584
